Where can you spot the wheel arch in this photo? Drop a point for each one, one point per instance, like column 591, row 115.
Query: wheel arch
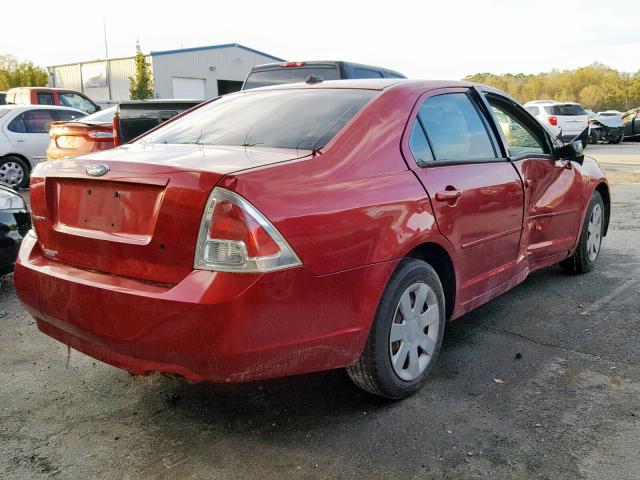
column 438, row 257
column 21, row 157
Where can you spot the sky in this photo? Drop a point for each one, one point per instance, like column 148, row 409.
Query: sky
column 422, row 39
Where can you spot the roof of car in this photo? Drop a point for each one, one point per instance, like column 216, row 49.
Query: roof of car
column 39, row 107
column 370, row 84
column 44, row 88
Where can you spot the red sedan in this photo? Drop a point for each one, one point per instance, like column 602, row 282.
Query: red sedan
column 306, row 227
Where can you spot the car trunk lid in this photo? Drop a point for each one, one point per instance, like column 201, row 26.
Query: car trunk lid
column 140, row 218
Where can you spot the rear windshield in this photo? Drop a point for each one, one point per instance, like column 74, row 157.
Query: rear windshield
column 566, row 110
column 288, row 75
column 101, row 116
column 304, row 119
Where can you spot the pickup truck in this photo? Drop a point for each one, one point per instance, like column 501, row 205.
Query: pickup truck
column 112, row 127
column 295, row 72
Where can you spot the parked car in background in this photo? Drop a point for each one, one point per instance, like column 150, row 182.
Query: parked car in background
column 84, row 135
column 293, row 72
column 605, row 128
column 15, row 222
column 610, row 113
column 111, row 127
column 566, row 119
column 51, row 96
column 24, row 137
column 302, row 228
column 631, row 122
column 3, row 96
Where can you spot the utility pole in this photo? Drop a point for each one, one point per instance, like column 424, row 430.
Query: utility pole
column 106, row 56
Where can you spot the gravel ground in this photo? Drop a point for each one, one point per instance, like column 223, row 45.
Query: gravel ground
column 566, row 348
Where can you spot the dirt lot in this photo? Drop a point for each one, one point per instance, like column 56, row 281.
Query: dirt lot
column 569, row 407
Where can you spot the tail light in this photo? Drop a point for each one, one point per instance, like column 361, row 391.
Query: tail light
column 293, row 64
column 100, row 136
column 116, row 130
column 235, row 237
column 553, row 120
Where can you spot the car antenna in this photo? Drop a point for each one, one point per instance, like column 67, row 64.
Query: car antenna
column 312, row 79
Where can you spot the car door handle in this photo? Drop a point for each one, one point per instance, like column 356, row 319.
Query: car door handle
column 448, row 195
column 19, row 140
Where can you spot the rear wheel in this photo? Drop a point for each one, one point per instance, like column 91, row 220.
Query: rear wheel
column 14, row 172
column 585, row 256
column 406, row 333
column 617, row 139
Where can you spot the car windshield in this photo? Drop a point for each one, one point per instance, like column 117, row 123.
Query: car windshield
column 302, row 118
column 101, row 116
column 282, row 75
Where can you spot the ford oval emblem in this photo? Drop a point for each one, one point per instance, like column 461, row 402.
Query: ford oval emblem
column 97, row 169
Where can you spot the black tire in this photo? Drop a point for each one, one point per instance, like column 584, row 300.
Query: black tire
column 374, row 372
column 11, row 160
column 580, row 262
column 618, row 140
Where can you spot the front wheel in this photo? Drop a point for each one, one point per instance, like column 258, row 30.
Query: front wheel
column 585, row 256
column 406, row 333
column 617, row 140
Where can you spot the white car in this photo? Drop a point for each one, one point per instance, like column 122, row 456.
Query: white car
column 565, row 119
column 24, row 138
column 610, row 113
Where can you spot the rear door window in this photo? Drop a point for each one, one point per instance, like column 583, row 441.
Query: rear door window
column 284, row 75
column 455, row 128
column 419, row 145
column 45, row 98
column 533, row 110
column 38, row 121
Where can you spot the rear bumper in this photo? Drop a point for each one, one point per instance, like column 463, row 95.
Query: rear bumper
column 220, row 327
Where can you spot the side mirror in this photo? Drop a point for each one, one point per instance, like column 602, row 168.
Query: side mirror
column 573, row 151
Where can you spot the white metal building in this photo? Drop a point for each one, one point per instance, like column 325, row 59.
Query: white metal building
column 193, row 73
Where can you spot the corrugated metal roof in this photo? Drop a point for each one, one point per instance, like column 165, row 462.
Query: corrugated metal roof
column 212, row 47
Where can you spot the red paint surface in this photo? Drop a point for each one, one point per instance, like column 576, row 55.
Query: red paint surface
column 113, row 275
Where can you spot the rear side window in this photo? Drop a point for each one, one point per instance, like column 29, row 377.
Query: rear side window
column 45, row 98
column 33, row 121
column 359, row 72
column 419, row 145
column 284, row 75
column 568, row 110
column 455, row 128
column 304, row 119
column 533, row 110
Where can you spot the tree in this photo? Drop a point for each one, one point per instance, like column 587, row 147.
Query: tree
column 16, row 73
column 596, row 86
column 141, row 87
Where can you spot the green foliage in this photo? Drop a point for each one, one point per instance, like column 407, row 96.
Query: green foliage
column 141, row 87
column 16, row 73
column 597, row 86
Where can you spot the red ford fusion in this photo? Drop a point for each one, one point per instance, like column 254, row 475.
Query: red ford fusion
column 306, row 227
